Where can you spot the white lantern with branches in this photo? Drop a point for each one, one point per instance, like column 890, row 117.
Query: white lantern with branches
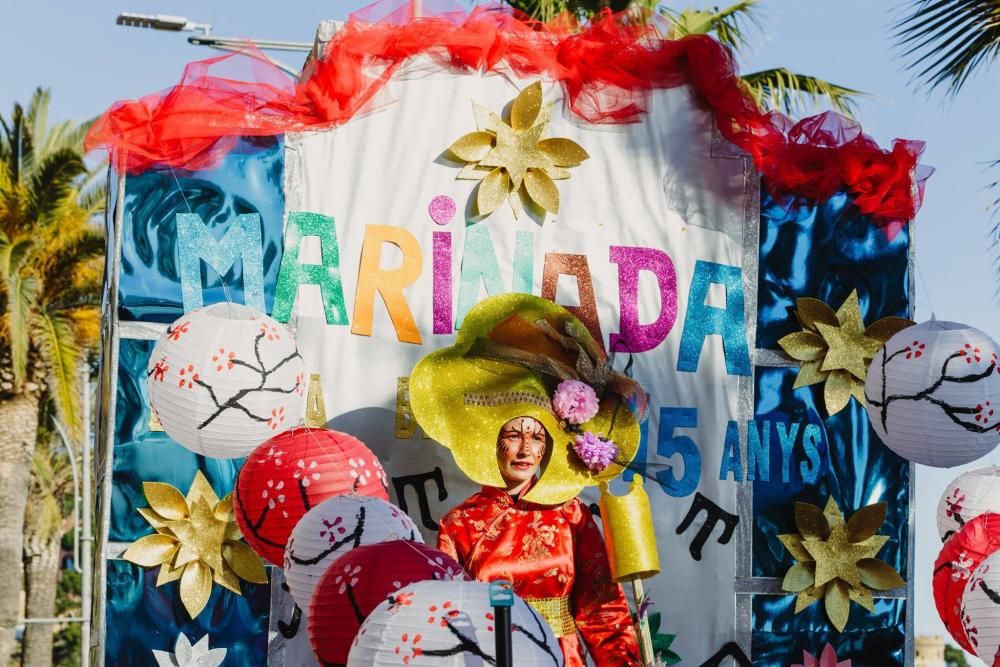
column 224, row 378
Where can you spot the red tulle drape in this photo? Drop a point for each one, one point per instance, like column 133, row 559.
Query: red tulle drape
column 607, row 69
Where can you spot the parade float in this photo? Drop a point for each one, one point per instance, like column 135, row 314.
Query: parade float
column 282, row 254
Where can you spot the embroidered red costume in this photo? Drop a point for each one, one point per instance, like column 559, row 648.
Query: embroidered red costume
column 556, row 558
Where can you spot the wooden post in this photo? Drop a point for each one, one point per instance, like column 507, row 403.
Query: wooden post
column 642, row 625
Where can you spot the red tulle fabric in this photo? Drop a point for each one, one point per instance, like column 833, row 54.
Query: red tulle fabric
column 606, row 67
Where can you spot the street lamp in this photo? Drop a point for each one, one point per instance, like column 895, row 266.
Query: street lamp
column 205, row 38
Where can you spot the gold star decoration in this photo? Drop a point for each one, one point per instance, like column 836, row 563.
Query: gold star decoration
column 836, row 348
column 196, row 541
column 836, row 560
column 510, row 158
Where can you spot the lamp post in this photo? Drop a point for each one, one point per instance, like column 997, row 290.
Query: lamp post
column 205, row 37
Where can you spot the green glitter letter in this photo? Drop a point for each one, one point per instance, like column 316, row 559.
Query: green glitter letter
column 326, row 275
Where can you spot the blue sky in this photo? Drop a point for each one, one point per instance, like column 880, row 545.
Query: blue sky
column 76, row 49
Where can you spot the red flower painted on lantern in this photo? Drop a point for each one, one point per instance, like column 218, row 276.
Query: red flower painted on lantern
column 277, row 418
column 413, row 649
column 332, row 530
column 954, row 503
column 270, row 331
column 223, row 360
column 983, row 412
column 160, row 370
column 915, row 349
column 970, row 353
column 188, row 377
column 174, row 333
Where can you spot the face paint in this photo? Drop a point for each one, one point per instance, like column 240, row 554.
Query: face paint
column 521, row 445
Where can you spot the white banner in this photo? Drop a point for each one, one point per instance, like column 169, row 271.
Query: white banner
column 651, row 210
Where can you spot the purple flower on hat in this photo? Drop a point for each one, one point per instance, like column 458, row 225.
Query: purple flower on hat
column 595, row 452
column 575, row 402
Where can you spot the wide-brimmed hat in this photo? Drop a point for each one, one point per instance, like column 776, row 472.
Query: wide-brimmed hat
column 509, row 357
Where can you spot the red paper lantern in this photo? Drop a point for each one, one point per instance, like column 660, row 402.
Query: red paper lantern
column 359, row 581
column 960, row 556
column 293, row 472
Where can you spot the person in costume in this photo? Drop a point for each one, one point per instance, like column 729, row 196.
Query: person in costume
column 526, row 390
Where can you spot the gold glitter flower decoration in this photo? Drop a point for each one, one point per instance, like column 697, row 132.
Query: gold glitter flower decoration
column 196, row 541
column 836, row 560
column 510, row 158
column 836, row 348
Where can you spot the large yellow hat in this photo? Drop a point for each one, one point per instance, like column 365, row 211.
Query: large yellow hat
column 509, row 356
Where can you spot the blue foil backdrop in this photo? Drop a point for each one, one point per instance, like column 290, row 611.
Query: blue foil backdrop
column 142, row 616
column 871, row 639
column 824, row 251
column 250, row 179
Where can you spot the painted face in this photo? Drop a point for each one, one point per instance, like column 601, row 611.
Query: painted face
column 520, row 448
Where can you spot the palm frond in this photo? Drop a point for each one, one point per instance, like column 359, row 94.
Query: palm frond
column 20, row 296
column 945, row 41
column 730, row 25
column 794, row 94
column 16, row 142
column 93, row 197
column 62, row 356
column 36, row 122
column 53, row 181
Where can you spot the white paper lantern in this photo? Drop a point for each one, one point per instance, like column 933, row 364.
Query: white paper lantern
column 933, row 394
column 333, row 528
column 453, row 619
column 225, row 378
column 981, row 609
column 966, row 497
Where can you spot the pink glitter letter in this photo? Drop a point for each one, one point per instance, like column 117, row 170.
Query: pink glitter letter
column 442, row 282
column 635, row 336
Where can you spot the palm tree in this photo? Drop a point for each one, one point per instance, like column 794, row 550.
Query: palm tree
column 944, row 44
column 776, row 88
column 51, row 259
column 46, row 520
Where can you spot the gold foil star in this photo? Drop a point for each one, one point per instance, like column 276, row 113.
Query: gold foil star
column 836, row 560
column 836, row 348
column 511, row 159
column 196, row 541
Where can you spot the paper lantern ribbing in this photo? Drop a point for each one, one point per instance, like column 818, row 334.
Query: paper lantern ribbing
column 981, row 610
column 224, row 378
column 293, row 472
column 449, row 624
column 933, row 394
column 960, row 556
column 333, row 528
column 358, row 581
column 967, row 496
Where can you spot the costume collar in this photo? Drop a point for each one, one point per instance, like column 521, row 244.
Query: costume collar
column 502, row 496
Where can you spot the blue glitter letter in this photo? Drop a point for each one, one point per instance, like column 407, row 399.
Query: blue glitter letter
column 787, row 439
column 731, row 454
column 811, row 436
column 669, row 444
column 196, row 244
column 759, row 452
column 702, row 320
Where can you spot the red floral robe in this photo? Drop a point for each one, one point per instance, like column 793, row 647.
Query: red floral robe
column 549, row 552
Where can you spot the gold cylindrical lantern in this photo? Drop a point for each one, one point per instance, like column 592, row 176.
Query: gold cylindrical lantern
column 628, row 531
